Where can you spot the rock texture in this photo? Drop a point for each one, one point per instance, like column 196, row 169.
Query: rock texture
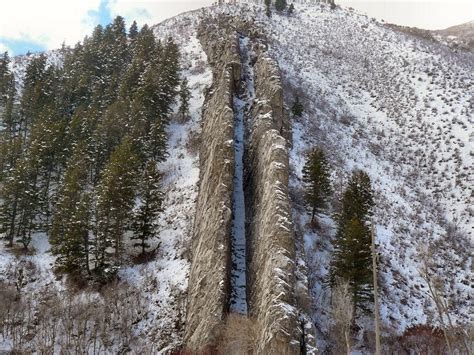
column 271, row 247
column 209, row 280
column 271, row 251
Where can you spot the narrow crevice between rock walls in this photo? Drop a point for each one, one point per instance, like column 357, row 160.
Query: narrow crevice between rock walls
column 270, row 258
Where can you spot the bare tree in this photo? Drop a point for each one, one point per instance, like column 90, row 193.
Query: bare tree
column 435, row 286
column 341, row 313
column 376, row 293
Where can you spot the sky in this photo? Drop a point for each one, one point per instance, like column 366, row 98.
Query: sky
column 37, row 25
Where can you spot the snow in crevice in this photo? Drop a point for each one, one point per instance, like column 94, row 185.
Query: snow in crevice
column 242, row 104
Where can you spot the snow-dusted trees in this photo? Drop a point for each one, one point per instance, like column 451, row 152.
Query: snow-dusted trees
column 74, row 144
column 71, row 222
column 145, row 219
column 316, row 177
column 184, row 96
column 352, row 259
column 115, row 198
column 18, row 196
column 7, row 97
column 297, row 106
column 280, row 5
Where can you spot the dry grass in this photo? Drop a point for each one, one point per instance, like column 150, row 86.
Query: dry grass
column 238, row 336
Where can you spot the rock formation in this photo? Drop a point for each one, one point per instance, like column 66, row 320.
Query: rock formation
column 271, row 254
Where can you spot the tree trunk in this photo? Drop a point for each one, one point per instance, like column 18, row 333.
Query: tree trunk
column 376, row 295
column 11, row 235
column 348, row 341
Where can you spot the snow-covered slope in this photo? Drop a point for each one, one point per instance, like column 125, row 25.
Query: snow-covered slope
column 397, row 106
column 400, row 108
column 149, row 297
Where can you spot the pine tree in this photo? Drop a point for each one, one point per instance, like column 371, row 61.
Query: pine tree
column 133, row 31
column 7, row 97
column 268, row 4
column 35, row 95
column 169, row 79
column 297, row 108
column 291, row 9
column 115, row 199
column 145, row 218
column 280, row 5
column 316, row 177
column 71, row 220
column 14, row 186
column 352, row 259
column 19, row 196
column 184, row 95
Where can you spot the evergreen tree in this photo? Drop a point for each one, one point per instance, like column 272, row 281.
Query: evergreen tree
column 184, row 95
column 169, row 78
column 115, row 199
column 117, row 57
column 34, row 97
column 19, row 196
column 7, row 97
column 280, row 5
column 145, row 219
column 291, row 9
column 316, row 177
column 297, row 108
column 352, row 259
column 133, row 31
column 70, row 226
column 268, row 4
column 109, row 134
column 45, row 150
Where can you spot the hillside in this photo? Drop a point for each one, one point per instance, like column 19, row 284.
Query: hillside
column 235, row 235
column 460, row 36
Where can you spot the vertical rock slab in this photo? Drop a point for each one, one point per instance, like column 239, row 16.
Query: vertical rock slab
column 209, row 280
column 271, row 246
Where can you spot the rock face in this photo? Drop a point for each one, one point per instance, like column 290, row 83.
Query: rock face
column 270, row 242
column 209, row 280
column 271, row 254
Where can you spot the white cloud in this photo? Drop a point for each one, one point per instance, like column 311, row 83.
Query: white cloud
column 153, row 11
column 47, row 22
column 4, row 48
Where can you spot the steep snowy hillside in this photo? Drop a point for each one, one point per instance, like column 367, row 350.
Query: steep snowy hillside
column 397, row 106
column 400, row 108
column 149, row 297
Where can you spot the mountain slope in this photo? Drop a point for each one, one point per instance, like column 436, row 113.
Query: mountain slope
column 149, row 297
column 399, row 107
column 395, row 105
column 460, row 36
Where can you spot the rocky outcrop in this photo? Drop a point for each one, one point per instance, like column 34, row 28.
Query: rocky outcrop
column 209, row 280
column 271, row 247
column 271, row 254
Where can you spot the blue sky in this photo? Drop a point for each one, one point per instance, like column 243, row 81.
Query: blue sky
column 101, row 15
column 37, row 25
